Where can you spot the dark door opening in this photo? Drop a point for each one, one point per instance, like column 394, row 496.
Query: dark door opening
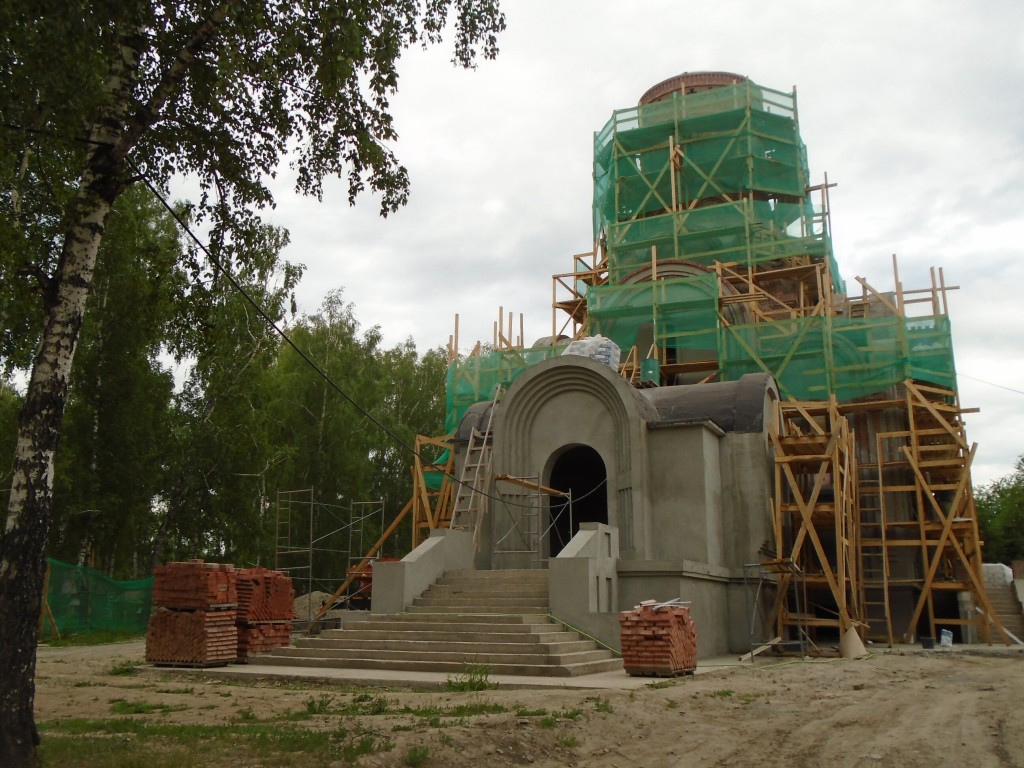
column 581, row 473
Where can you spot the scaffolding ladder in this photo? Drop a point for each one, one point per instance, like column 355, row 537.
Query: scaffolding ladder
column 471, row 498
column 875, row 569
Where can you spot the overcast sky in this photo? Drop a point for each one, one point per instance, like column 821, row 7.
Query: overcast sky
column 914, row 108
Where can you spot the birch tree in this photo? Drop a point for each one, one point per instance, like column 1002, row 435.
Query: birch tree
column 99, row 94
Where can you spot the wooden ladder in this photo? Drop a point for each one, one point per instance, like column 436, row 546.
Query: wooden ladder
column 471, row 497
column 874, row 553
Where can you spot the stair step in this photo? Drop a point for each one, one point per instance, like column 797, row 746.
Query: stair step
column 461, row 644
column 538, row 603
column 440, row 635
column 475, row 610
column 513, row 619
column 451, row 667
column 497, row 618
column 470, row 656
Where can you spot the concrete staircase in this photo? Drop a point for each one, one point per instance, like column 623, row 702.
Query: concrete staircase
column 468, row 618
column 1007, row 608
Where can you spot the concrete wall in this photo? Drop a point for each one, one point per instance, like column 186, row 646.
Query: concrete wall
column 397, row 584
column 583, row 589
column 704, row 587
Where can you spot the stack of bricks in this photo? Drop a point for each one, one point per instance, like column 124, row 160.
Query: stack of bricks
column 194, row 620
column 266, row 607
column 658, row 640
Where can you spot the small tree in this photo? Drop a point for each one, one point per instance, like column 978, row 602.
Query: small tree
column 1000, row 507
column 100, row 94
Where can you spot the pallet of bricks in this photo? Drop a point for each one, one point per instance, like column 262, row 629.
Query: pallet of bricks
column 658, row 639
column 193, row 624
column 266, row 607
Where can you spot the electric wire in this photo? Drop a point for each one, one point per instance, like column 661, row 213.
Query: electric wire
column 288, row 340
column 990, row 383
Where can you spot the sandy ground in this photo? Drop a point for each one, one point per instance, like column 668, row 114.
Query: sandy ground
column 902, row 708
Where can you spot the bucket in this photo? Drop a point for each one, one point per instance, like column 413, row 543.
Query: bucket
column 927, row 642
column 650, row 371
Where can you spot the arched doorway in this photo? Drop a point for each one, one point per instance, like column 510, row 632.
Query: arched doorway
column 580, row 471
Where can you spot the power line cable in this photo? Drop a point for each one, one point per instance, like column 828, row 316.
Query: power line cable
column 990, row 383
column 287, row 339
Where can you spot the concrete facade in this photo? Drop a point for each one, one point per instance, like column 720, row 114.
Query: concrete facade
column 676, row 481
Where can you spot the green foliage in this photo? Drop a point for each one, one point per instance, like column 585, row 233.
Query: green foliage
column 125, row 707
column 475, row 678
column 124, row 668
column 417, row 755
column 1000, row 506
column 319, row 705
column 522, row 712
column 97, row 637
column 600, row 704
column 231, row 744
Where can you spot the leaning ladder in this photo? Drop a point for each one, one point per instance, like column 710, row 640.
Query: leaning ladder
column 471, row 498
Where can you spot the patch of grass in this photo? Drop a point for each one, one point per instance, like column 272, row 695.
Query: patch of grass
column 724, row 693
column 364, row 743
column 477, row 677
column 247, row 715
column 372, row 705
column 156, row 744
column 124, row 668
column 549, row 721
column 185, row 691
column 447, row 740
column 319, row 705
column 571, row 714
column 417, row 755
column 601, row 705
column 569, row 741
column 531, row 712
column 458, row 710
column 83, row 684
column 125, row 707
column 96, row 637
column 671, row 704
column 661, row 684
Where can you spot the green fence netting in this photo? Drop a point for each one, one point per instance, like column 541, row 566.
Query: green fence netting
column 81, row 599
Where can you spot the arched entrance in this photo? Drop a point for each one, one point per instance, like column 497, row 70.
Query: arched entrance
column 580, row 471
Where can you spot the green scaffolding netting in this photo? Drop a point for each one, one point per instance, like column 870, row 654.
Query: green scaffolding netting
column 476, row 378
column 719, row 177
column 850, row 357
column 81, row 599
column 738, row 139
column 679, row 314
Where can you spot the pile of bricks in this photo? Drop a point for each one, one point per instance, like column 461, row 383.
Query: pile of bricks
column 191, row 638
column 256, row 639
column 266, row 607
column 194, row 620
column 195, row 585
column 658, row 640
